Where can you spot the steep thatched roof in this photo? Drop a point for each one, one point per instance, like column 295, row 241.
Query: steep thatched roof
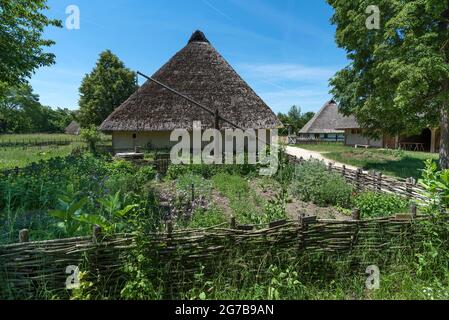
column 324, row 121
column 349, row 122
column 73, row 128
column 202, row 74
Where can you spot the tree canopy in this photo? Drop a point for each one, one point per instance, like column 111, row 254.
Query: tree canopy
column 108, row 85
column 398, row 77
column 295, row 119
column 22, row 47
column 21, row 112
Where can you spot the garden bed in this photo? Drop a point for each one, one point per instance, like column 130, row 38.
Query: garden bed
column 64, row 197
column 200, row 230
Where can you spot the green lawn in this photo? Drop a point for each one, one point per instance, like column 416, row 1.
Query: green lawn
column 37, row 137
column 19, row 150
column 12, row 157
column 397, row 163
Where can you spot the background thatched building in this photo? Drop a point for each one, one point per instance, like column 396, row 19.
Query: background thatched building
column 323, row 124
column 200, row 72
column 73, row 128
column 428, row 140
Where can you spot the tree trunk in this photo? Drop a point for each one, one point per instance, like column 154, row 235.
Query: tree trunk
column 444, row 112
column 444, row 140
column 444, row 125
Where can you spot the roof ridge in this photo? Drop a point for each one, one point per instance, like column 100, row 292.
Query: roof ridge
column 315, row 116
column 198, row 36
column 203, row 74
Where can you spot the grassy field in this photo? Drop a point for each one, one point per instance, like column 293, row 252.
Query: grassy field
column 37, row 137
column 12, row 157
column 19, row 150
column 397, row 163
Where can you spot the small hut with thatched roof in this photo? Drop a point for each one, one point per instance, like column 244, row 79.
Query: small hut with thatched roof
column 198, row 71
column 323, row 125
column 73, row 128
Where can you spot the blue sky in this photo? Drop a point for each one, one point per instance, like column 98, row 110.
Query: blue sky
column 284, row 49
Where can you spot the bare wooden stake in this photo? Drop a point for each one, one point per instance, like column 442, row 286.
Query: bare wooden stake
column 169, row 228
column 24, row 235
column 96, row 233
column 379, row 181
column 413, row 210
column 357, row 178
column 356, row 214
column 233, row 223
column 408, row 187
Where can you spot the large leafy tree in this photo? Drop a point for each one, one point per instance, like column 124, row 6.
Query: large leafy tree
column 398, row 77
column 104, row 89
column 22, row 24
column 21, row 112
column 295, row 119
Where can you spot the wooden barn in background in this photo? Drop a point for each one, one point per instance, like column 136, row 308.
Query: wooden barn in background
column 427, row 141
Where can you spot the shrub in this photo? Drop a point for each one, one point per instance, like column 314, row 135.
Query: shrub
column 145, row 174
column 92, row 136
column 207, row 171
column 207, row 218
column 436, row 185
column 377, row 204
column 312, row 182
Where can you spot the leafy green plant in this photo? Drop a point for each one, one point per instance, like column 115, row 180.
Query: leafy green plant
column 207, row 218
column 92, row 136
column 275, row 209
column 116, row 210
column 379, row 204
column 312, row 182
column 69, row 212
column 282, row 281
column 436, row 185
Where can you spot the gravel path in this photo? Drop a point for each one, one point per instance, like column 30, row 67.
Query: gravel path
column 307, row 154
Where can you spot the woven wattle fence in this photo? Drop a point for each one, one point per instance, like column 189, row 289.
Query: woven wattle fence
column 374, row 181
column 26, row 267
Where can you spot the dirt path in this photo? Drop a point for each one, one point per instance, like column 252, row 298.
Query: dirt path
column 307, row 154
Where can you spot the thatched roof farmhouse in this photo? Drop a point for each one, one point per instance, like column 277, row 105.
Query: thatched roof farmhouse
column 323, row 124
column 73, row 128
column 148, row 116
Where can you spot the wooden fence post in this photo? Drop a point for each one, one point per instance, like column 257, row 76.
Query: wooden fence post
column 409, row 182
column 302, row 230
column 233, row 223
column 24, row 236
column 356, row 214
column 357, row 178
column 343, row 171
column 374, row 178
column 96, row 233
column 169, row 228
column 413, row 210
column 193, row 192
column 379, row 181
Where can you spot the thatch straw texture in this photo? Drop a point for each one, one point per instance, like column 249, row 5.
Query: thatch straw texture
column 202, row 74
